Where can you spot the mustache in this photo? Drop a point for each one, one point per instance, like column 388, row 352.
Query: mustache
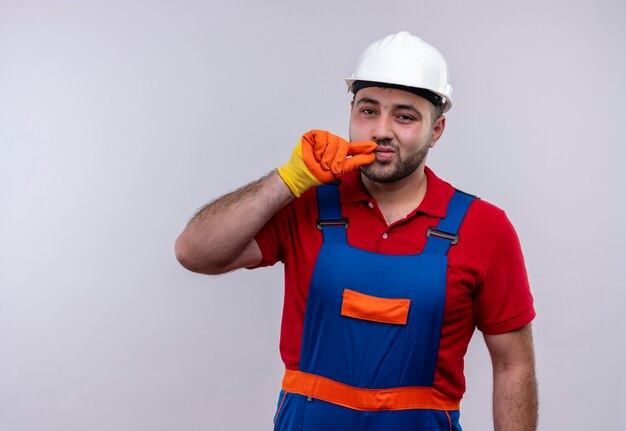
column 387, row 143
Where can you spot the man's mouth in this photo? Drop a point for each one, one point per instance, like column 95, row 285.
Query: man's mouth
column 384, row 154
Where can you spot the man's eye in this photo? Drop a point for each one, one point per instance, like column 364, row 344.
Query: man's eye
column 368, row 111
column 405, row 118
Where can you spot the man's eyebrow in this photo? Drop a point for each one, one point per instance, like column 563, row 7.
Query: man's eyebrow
column 368, row 100
column 408, row 107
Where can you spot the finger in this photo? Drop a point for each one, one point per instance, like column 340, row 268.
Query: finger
column 318, row 141
column 340, row 159
column 362, row 147
column 356, row 161
column 330, row 150
column 314, row 166
column 312, row 138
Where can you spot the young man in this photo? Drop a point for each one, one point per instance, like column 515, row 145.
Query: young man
column 388, row 269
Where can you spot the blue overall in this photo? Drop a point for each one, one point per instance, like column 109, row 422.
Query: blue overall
column 366, row 352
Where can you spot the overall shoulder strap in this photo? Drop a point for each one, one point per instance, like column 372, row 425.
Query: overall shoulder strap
column 446, row 233
column 330, row 221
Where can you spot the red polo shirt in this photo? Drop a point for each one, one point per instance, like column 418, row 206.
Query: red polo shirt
column 487, row 286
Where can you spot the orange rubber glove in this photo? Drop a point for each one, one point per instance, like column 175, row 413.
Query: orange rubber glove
column 321, row 157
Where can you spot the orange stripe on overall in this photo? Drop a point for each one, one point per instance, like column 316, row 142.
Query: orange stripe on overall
column 404, row 398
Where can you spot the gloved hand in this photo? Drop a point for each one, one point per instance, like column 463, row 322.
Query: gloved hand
column 321, row 157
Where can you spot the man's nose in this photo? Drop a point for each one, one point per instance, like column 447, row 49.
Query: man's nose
column 382, row 128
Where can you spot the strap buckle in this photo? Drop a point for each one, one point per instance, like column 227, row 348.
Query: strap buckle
column 453, row 238
column 333, row 222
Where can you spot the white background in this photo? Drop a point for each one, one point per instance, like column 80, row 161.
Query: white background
column 118, row 119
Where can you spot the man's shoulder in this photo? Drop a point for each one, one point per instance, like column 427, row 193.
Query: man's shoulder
column 480, row 205
column 486, row 209
column 487, row 224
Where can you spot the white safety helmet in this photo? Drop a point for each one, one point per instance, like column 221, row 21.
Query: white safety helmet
column 405, row 60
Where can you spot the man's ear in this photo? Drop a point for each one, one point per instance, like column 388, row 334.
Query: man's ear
column 438, row 128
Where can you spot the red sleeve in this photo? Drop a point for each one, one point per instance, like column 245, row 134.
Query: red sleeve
column 291, row 234
column 503, row 301
column 269, row 243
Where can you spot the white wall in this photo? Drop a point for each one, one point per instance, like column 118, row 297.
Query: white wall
column 118, row 119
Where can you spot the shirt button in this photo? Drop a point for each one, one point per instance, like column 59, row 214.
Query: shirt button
column 385, row 235
column 371, row 205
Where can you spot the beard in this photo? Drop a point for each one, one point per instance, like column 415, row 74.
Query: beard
column 403, row 166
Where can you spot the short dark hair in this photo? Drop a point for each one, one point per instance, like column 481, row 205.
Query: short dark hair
column 436, row 112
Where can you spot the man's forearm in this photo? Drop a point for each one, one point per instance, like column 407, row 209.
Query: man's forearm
column 515, row 402
column 221, row 231
column 514, row 382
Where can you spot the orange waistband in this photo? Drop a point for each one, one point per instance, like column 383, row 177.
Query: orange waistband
column 404, row 398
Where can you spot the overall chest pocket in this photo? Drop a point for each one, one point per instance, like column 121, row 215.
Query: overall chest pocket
column 375, row 309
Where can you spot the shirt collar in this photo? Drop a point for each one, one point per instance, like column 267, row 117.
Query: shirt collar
column 435, row 202
column 438, row 194
column 351, row 189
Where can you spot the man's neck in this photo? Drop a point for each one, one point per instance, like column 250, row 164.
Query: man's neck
column 396, row 200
